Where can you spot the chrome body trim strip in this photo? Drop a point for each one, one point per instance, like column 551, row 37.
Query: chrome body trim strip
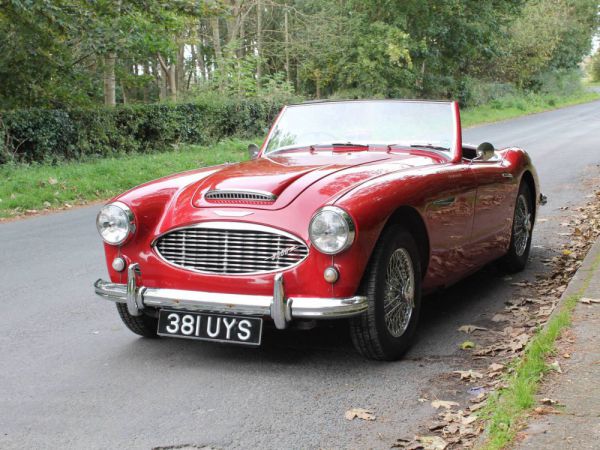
column 280, row 308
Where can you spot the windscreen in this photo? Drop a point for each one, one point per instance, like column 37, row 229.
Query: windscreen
column 364, row 123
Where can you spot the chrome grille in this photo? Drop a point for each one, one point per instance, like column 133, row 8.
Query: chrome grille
column 231, row 248
column 240, row 195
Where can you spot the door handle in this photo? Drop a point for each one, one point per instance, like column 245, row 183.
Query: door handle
column 444, row 201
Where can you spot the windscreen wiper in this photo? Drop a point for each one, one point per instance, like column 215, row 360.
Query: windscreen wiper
column 349, row 144
column 431, row 146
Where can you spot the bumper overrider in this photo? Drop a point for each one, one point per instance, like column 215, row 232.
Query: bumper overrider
column 280, row 308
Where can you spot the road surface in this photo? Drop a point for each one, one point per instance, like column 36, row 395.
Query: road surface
column 72, row 376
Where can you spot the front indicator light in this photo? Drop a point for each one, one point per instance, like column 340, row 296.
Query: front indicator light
column 331, row 275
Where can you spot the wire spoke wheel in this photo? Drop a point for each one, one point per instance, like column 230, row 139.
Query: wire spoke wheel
column 399, row 292
column 522, row 225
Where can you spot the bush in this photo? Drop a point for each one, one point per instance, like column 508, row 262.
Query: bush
column 41, row 135
column 594, row 66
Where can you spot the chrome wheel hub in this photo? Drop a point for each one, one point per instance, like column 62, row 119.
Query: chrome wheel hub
column 399, row 300
column 522, row 226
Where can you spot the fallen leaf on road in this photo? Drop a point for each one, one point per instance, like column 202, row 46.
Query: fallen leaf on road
column 468, row 374
column 467, row 344
column 543, row 410
column 476, row 407
column 589, row 301
column 556, row 366
column 443, row 404
column 360, row 413
column 468, row 420
column 494, row 367
column 431, row 442
column 480, row 397
column 470, row 328
column 500, row 318
column 566, row 355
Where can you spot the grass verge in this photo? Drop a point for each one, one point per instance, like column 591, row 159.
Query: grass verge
column 515, row 106
column 26, row 188
column 507, row 407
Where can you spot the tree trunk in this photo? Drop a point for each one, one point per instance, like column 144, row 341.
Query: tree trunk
column 258, row 44
column 214, row 24
column 123, row 93
column 170, row 76
column 110, row 98
column 201, row 64
column 180, row 70
column 145, row 91
column 287, row 46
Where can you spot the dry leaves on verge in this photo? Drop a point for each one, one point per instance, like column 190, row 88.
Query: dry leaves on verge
column 360, row 413
column 443, row 404
column 469, row 375
column 422, row 443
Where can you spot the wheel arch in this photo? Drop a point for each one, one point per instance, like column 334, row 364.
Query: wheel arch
column 410, row 218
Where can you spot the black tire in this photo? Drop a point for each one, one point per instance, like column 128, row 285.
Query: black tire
column 518, row 252
column 370, row 333
column 143, row 325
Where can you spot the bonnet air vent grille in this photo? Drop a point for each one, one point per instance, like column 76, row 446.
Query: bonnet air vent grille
column 240, row 195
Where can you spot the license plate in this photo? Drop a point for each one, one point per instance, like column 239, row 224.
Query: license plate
column 210, row 327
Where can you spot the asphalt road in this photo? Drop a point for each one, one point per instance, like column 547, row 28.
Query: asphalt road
column 72, row 376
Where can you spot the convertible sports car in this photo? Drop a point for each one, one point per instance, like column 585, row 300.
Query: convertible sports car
column 350, row 209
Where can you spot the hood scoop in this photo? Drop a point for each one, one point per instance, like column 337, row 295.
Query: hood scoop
column 239, row 195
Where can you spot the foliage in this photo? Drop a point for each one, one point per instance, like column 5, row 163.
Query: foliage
column 45, row 135
column 547, row 35
column 60, row 54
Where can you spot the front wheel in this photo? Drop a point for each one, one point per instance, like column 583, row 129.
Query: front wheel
column 392, row 285
column 520, row 240
column 143, row 325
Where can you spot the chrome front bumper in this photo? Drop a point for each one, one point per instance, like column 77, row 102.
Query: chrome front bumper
column 281, row 309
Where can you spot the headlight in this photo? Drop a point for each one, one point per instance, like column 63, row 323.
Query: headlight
column 331, row 230
column 115, row 223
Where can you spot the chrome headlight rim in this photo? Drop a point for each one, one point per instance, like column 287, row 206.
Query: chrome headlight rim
column 347, row 219
column 130, row 217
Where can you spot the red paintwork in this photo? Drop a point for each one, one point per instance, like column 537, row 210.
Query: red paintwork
column 369, row 184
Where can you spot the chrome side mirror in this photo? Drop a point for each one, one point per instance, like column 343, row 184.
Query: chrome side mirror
column 485, row 151
column 253, row 151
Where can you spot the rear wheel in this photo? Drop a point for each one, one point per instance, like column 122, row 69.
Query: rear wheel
column 520, row 240
column 143, row 325
column 392, row 285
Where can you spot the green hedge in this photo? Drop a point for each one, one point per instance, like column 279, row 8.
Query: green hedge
column 41, row 135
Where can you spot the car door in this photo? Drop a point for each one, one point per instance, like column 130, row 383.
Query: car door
column 494, row 204
column 449, row 216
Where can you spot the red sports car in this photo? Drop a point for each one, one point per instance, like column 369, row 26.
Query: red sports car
column 351, row 209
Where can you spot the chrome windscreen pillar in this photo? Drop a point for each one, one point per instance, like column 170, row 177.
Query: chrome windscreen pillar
column 132, row 291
